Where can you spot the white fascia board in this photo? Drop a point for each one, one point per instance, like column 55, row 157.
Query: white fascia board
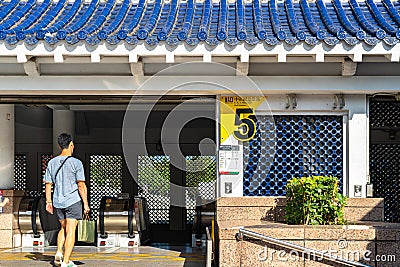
column 133, row 57
column 195, row 85
column 394, row 57
column 169, row 57
column 319, row 57
column 95, row 58
column 279, row 52
column 21, row 58
column 207, row 58
column 58, row 58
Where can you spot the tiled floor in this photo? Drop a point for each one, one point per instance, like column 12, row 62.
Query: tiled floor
column 145, row 256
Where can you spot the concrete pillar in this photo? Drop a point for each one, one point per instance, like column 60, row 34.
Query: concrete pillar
column 358, row 144
column 7, row 146
column 63, row 122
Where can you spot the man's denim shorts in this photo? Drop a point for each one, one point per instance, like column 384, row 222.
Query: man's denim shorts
column 72, row 212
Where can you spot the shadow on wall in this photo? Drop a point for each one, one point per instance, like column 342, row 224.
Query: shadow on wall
column 277, row 212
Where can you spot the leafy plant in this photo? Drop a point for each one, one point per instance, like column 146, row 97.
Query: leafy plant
column 106, row 171
column 200, row 169
column 314, row 200
column 154, row 174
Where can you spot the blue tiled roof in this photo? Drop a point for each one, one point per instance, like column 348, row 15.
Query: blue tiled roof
column 176, row 21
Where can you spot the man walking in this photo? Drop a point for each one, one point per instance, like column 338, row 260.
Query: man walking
column 67, row 175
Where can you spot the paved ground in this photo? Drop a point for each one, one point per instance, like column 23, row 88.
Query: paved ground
column 144, row 256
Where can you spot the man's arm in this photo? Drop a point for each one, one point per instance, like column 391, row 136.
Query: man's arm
column 49, row 203
column 48, row 184
column 83, row 192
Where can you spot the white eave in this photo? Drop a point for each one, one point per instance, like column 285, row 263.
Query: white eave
column 258, row 53
column 33, row 80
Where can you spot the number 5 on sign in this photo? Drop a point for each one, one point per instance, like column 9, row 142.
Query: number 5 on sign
column 246, row 126
column 237, row 117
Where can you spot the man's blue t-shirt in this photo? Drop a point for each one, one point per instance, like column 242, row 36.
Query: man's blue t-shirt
column 65, row 184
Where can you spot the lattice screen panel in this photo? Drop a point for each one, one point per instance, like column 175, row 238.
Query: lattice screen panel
column 45, row 158
column 384, row 158
column 20, row 172
column 154, row 185
column 384, row 114
column 200, row 182
column 105, row 179
column 303, row 146
column 385, row 177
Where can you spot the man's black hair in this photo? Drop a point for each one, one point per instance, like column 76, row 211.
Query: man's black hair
column 64, row 140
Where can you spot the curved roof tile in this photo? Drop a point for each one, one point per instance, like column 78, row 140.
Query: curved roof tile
column 189, row 21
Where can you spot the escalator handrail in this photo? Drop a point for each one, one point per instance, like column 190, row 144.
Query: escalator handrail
column 131, row 213
column 35, row 205
column 198, row 223
column 101, row 217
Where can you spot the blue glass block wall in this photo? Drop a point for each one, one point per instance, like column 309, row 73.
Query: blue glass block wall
column 288, row 146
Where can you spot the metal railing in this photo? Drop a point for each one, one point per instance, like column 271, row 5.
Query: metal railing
column 308, row 251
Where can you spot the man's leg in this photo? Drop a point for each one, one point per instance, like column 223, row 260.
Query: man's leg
column 69, row 238
column 61, row 237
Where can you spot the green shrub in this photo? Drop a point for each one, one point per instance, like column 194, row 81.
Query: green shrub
column 314, row 200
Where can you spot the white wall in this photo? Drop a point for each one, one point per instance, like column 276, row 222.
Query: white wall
column 7, row 146
column 193, row 85
column 358, row 142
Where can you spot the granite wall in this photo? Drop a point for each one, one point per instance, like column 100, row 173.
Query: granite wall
column 9, row 218
column 273, row 209
column 365, row 239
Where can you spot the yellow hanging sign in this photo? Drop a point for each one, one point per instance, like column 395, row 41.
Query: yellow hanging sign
column 237, row 117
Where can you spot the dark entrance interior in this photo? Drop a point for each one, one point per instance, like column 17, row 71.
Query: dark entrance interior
column 98, row 139
column 384, row 154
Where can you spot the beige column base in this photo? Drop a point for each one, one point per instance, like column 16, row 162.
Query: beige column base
column 9, row 219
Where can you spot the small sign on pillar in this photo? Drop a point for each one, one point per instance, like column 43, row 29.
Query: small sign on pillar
column 357, row 190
